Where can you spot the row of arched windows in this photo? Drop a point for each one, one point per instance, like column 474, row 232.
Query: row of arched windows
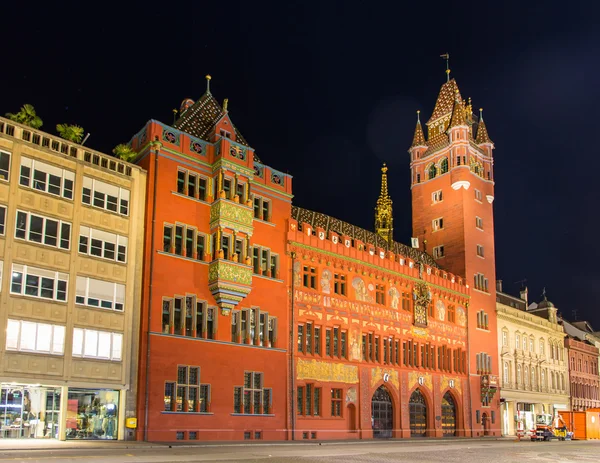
column 526, row 377
column 528, row 344
column 433, row 170
column 585, row 391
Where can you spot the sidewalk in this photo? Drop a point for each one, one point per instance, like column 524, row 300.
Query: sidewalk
column 51, row 444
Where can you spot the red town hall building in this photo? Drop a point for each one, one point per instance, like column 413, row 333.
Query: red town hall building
column 263, row 320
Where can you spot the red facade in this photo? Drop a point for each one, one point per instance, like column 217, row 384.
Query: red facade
column 583, row 374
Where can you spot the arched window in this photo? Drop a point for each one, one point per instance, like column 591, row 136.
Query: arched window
column 543, row 378
column 444, row 166
column 562, row 382
column 504, row 338
column 551, row 349
column 531, row 345
column 518, row 341
column 524, row 342
column 542, row 346
column 526, row 376
column 505, row 373
column 553, row 380
column 431, row 171
column 518, row 374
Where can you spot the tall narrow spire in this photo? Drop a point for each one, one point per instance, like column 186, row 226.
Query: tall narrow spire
column 482, row 133
column 446, row 56
column 458, row 113
column 383, row 210
column 419, row 137
column 208, row 77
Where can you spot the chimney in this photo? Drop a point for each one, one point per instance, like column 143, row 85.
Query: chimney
column 524, row 293
column 499, row 286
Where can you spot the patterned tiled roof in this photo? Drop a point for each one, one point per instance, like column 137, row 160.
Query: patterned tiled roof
column 437, row 143
column 482, row 133
column 200, row 119
column 458, row 113
column 316, row 219
column 419, row 138
column 445, row 100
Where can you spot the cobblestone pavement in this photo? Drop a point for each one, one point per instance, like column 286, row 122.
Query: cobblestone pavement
column 461, row 451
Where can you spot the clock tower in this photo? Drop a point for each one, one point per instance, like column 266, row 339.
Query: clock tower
column 452, row 185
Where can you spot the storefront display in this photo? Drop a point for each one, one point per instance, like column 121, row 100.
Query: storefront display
column 92, row 414
column 29, row 411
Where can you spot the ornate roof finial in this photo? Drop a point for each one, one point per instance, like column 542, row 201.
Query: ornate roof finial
column 208, row 77
column 481, row 114
column 419, row 116
column 419, row 137
column 174, row 115
column 225, row 104
column 446, row 56
column 383, row 210
column 482, row 133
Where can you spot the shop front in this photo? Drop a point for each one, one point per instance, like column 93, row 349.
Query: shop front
column 92, row 414
column 29, row 411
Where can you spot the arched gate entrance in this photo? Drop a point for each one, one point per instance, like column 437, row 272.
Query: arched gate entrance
column 418, row 414
column 448, row 415
column 382, row 413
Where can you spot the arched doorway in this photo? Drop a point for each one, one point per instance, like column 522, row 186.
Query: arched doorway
column 485, row 422
column 418, row 414
column 382, row 413
column 448, row 415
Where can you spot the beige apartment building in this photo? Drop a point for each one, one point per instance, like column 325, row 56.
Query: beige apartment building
column 534, row 376
column 71, row 245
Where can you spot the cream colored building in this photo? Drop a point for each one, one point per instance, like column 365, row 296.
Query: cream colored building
column 533, row 364
column 71, row 245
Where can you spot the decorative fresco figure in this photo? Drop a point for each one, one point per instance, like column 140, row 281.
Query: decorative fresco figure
column 461, row 317
column 297, row 276
column 395, row 297
column 326, row 287
column 360, row 290
column 440, row 310
column 355, row 343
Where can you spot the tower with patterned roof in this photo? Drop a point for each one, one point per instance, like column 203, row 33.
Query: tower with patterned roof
column 452, row 184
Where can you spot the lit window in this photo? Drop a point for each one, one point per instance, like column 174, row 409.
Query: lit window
column 27, row 336
column 37, row 282
column 43, row 230
column 97, row 344
column 105, row 196
column 47, row 178
column 101, row 294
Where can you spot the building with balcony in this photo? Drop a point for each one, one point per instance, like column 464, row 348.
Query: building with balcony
column 533, row 364
column 71, row 230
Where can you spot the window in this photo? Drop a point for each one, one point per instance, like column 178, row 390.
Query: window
column 482, row 320
column 105, row 196
column 262, row 208
column 43, row 230
column 437, row 197
column 187, row 394
column 309, row 338
column 531, row 344
column 264, row 262
column 438, row 252
column 380, row 294
column 406, row 302
column 191, row 184
column 518, row 342
column 505, row 338
column 505, row 377
column 2, row 219
column 437, row 224
column 309, row 400
column 478, row 195
column 309, row 277
column 97, row 344
column 252, row 398
column 479, row 223
column 336, row 342
column 339, row 284
column 541, row 347
column 37, row 282
column 47, row 178
column 28, row 336
column 431, row 171
column 480, row 282
column 186, row 316
column 99, row 243
column 4, row 165
column 480, row 251
column 451, row 314
column 443, row 166
column 252, row 326
column 484, row 363
column 336, row 402
column 184, row 240
column 98, row 293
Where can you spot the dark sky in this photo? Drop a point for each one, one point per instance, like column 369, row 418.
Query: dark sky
column 328, row 90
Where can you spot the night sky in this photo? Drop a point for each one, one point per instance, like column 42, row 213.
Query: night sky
column 328, row 90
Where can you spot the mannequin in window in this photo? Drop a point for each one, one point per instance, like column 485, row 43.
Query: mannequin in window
column 109, row 413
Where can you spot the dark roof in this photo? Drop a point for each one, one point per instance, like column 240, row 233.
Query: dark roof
column 419, row 137
column 327, row 223
column 482, row 133
column 511, row 301
column 445, row 100
column 458, row 113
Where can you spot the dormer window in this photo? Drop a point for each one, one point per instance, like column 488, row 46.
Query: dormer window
column 225, row 133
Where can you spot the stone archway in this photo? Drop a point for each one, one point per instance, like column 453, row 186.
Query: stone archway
column 382, row 413
column 418, row 414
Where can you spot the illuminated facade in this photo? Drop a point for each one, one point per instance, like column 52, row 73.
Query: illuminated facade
column 71, row 229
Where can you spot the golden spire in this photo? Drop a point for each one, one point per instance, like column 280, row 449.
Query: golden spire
column 208, row 77
column 383, row 210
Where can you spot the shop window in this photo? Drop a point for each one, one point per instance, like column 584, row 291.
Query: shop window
column 37, row 282
column 99, row 293
column 97, row 344
column 27, row 336
column 47, row 178
column 252, row 398
column 92, row 414
column 309, row 400
column 98, row 243
column 102, row 195
column 43, row 230
column 336, row 402
column 187, row 394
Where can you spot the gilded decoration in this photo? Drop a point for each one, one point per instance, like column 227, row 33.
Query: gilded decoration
column 230, row 272
column 461, row 317
column 361, row 291
column 231, row 215
column 326, row 371
column 450, row 382
column 422, row 298
column 421, row 379
column 385, row 375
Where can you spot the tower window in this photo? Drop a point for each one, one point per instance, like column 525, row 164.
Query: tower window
column 480, row 252
column 437, row 224
column 444, row 166
column 437, row 197
column 479, row 223
column 478, row 195
column 438, row 252
column 432, row 171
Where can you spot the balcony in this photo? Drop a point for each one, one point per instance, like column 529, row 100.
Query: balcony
column 229, row 282
column 233, row 215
